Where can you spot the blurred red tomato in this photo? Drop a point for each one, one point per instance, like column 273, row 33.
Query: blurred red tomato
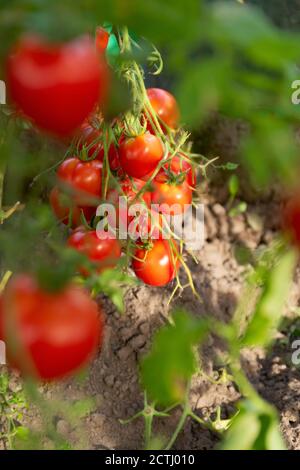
column 291, row 218
column 48, row 335
column 102, row 38
column 57, row 86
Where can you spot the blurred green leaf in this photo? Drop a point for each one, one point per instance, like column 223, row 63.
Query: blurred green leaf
column 111, row 282
column 171, row 363
column 233, row 186
column 254, row 429
column 240, row 208
column 243, row 25
column 269, row 309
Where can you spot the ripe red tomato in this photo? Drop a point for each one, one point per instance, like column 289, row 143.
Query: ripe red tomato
column 128, row 189
column 165, row 106
column 91, row 139
column 291, row 218
column 83, row 177
column 173, row 199
column 151, row 225
column 57, row 86
column 103, row 251
column 156, row 266
column 62, row 205
column 140, row 155
column 48, row 335
column 179, row 169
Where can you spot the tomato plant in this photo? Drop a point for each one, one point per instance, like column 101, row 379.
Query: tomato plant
column 49, row 334
column 63, row 89
column 57, row 86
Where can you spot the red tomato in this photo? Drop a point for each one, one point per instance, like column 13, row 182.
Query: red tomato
column 57, row 86
column 83, row 177
column 165, row 106
column 102, row 38
column 156, row 266
column 173, row 199
column 48, row 335
column 103, row 251
column 92, row 140
column 129, row 189
column 291, row 219
column 177, row 169
column 140, row 155
column 61, row 205
column 151, row 225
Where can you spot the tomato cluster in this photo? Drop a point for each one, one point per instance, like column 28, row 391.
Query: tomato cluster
column 139, row 170
column 133, row 165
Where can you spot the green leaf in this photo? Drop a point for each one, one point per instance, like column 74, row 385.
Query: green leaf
column 22, row 433
column 199, row 92
column 233, row 186
column 269, row 309
column 166, row 370
column 240, row 208
column 111, row 282
column 243, row 25
column 254, row 428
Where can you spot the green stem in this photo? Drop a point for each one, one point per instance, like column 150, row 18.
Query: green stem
column 181, row 422
column 148, row 430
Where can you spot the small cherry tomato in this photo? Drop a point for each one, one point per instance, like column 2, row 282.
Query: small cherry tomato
column 165, row 106
column 157, row 265
column 48, row 335
column 85, row 178
column 99, row 247
column 128, row 192
column 173, row 199
column 140, row 155
column 64, row 209
column 91, row 139
column 57, row 86
column 178, row 169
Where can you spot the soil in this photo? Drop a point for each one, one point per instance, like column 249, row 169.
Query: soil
column 112, row 380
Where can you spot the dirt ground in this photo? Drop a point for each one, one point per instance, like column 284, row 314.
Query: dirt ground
column 112, row 380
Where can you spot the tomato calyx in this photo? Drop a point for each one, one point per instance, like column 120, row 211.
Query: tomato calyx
column 169, row 177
